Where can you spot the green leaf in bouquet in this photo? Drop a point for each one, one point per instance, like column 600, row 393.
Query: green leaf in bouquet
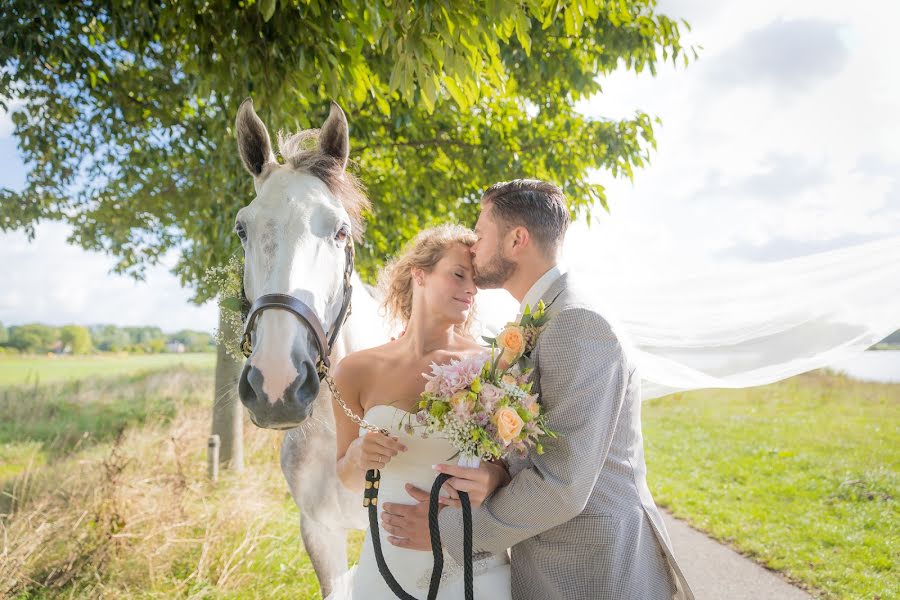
column 539, row 448
column 439, row 408
column 523, row 414
column 486, row 369
column 490, row 340
column 476, row 385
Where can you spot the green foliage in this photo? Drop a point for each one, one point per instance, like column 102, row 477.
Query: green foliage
column 194, row 341
column 800, row 475
column 76, row 339
column 127, row 109
column 4, row 334
column 32, row 338
column 109, row 338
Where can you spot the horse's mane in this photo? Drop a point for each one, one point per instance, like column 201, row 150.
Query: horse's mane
column 301, row 152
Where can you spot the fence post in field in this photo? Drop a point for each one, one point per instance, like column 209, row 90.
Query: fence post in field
column 212, row 457
column 228, row 414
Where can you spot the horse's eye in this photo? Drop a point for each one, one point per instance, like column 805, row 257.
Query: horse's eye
column 241, row 232
column 342, row 234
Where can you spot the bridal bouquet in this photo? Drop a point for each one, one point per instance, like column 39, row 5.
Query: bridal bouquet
column 484, row 404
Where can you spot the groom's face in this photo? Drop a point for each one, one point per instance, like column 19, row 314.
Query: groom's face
column 489, row 261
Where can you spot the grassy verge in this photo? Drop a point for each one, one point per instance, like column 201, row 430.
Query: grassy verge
column 39, row 370
column 132, row 515
column 802, row 476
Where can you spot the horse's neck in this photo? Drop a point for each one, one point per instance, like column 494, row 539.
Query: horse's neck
column 364, row 328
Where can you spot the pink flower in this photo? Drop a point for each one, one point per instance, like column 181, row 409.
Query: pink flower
column 530, row 404
column 490, row 395
column 459, row 374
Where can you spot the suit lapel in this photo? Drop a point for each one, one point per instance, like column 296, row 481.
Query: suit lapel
column 550, row 297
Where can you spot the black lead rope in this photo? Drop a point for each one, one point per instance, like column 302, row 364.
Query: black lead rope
column 370, row 500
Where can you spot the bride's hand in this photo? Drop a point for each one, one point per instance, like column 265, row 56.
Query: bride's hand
column 479, row 482
column 374, row 450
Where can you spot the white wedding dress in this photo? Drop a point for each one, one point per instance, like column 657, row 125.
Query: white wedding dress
column 412, row 568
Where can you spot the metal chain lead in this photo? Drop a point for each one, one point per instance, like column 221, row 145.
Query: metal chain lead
column 340, row 400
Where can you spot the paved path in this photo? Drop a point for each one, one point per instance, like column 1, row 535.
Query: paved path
column 716, row 572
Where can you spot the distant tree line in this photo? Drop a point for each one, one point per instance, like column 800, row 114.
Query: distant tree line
column 37, row 338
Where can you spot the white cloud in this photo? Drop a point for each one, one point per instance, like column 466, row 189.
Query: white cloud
column 782, row 135
column 53, row 282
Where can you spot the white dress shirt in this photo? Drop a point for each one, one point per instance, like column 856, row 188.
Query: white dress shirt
column 540, row 287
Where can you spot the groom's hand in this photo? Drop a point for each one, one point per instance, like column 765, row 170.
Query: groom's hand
column 479, row 482
column 408, row 523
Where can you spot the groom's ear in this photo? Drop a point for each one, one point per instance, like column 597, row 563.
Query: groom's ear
column 521, row 237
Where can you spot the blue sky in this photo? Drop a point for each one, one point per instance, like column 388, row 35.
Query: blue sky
column 780, row 141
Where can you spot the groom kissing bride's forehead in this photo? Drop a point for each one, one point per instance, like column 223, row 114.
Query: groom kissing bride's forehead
column 520, row 233
column 577, row 517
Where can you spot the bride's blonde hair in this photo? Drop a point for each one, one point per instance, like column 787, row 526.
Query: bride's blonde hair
column 423, row 252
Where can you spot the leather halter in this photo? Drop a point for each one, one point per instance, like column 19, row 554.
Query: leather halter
column 306, row 314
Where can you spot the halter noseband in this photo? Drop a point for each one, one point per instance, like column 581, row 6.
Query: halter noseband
column 304, row 313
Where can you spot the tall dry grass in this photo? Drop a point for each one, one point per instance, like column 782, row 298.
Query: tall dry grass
column 137, row 517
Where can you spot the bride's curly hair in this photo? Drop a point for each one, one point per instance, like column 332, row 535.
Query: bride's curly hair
column 424, row 251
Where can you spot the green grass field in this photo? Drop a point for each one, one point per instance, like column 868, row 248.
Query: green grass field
column 31, row 370
column 104, row 492
column 105, row 495
column 802, row 476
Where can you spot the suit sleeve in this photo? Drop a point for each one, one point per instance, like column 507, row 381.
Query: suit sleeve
column 584, row 374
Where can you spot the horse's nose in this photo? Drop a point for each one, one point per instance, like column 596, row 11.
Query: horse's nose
column 304, row 389
column 291, row 409
column 250, row 389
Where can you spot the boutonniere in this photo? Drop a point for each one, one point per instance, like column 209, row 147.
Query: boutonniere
column 516, row 342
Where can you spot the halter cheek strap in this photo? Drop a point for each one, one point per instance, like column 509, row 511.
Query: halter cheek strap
column 306, row 314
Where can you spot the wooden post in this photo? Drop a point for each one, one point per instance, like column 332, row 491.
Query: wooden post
column 228, row 413
column 212, row 457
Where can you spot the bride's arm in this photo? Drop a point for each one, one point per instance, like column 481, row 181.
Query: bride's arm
column 357, row 454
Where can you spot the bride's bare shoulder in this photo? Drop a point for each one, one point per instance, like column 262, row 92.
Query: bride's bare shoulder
column 357, row 365
column 471, row 346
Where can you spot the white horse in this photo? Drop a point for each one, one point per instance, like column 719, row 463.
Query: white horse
column 295, row 235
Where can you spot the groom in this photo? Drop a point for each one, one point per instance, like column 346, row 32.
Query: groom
column 579, row 518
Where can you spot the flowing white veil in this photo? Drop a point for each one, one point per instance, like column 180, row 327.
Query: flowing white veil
column 738, row 325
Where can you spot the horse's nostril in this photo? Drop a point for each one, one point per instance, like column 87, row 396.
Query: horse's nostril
column 305, row 388
column 250, row 386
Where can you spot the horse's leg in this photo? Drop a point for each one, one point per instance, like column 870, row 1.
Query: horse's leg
column 308, row 464
column 327, row 550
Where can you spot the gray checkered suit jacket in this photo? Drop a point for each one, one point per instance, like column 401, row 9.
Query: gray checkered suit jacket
column 579, row 518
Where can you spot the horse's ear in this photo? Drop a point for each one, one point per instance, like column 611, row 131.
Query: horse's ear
column 253, row 139
column 334, row 138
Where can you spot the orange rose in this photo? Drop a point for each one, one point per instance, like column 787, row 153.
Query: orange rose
column 512, row 340
column 509, row 424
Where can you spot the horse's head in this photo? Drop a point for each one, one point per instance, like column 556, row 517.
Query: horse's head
column 295, row 235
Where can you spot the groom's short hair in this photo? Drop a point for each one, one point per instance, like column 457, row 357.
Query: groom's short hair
column 538, row 206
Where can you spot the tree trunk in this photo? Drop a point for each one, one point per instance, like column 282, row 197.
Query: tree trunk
column 228, row 414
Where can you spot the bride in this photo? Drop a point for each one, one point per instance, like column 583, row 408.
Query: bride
column 430, row 289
